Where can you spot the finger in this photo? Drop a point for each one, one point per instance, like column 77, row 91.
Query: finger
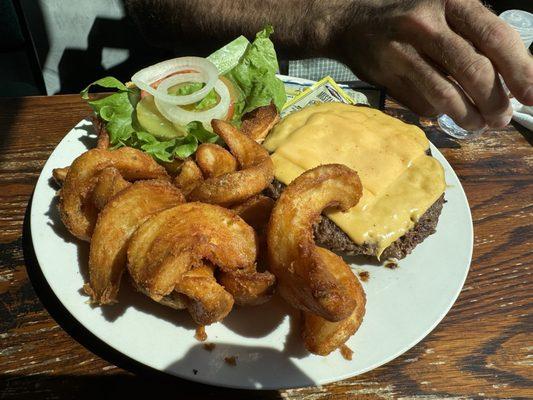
column 498, row 41
column 475, row 74
column 402, row 91
column 443, row 94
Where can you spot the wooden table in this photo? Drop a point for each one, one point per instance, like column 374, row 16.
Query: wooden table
column 482, row 349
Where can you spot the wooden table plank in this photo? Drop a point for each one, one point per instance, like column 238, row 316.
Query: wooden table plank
column 481, row 349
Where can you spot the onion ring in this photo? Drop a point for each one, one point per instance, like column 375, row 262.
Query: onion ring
column 178, row 115
column 206, row 70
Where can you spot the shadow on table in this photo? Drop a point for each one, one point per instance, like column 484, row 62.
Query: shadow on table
column 429, row 125
column 45, row 387
column 70, row 386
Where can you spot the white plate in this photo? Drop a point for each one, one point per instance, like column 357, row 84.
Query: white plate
column 403, row 305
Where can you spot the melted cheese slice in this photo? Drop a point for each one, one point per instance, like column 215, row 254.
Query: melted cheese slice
column 400, row 182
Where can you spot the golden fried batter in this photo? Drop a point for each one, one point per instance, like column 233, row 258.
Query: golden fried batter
column 258, row 123
column 172, row 242
column 77, row 213
column 207, row 301
column 312, row 278
column 60, row 174
column 214, row 160
column 255, row 174
column 248, row 288
column 188, row 177
column 116, row 223
column 322, row 337
column 108, row 183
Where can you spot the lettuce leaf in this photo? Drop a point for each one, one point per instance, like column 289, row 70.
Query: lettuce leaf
column 186, row 89
column 229, row 55
column 255, row 75
column 107, row 82
column 209, row 100
column 118, row 110
column 196, row 129
column 251, row 68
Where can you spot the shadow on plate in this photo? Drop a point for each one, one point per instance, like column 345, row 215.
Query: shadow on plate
column 361, row 260
column 258, row 367
column 90, row 139
column 129, row 297
column 55, row 220
column 272, row 315
column 244, row 321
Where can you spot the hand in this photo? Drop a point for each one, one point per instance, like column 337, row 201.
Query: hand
column 441, row 57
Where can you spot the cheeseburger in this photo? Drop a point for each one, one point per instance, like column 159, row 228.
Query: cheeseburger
column 403, row 185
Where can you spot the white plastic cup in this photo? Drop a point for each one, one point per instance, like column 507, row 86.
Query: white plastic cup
column 522, row 22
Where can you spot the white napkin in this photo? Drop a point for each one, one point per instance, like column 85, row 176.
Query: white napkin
column 522, row 114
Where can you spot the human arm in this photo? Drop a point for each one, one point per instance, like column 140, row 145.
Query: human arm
column 435, row 56
column 307, row 27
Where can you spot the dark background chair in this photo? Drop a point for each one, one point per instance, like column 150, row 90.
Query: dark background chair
column 20, row 70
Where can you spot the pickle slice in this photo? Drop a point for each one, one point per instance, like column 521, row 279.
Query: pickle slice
column 151, row 119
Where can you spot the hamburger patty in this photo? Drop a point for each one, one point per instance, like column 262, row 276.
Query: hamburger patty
column 330, row 236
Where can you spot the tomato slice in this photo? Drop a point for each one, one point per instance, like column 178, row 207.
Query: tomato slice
column 231, row 111
column 232, row 96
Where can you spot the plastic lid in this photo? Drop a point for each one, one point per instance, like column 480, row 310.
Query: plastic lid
column 522, row 22
column 518, row 19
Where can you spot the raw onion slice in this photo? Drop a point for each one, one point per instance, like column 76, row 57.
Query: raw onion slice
column 207, row 72
column 178, row 115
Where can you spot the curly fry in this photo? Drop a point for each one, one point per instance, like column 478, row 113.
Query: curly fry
column 258, row 123
column 78, row 214
column 312, row 278
column 256, row 173
column 165, row 249
column 116, row 223
column 207, row 301
column 322, row 337
column 108, row 183
column 188, row 177
column 60, row 174
column 248, row 288
column 214, row 160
